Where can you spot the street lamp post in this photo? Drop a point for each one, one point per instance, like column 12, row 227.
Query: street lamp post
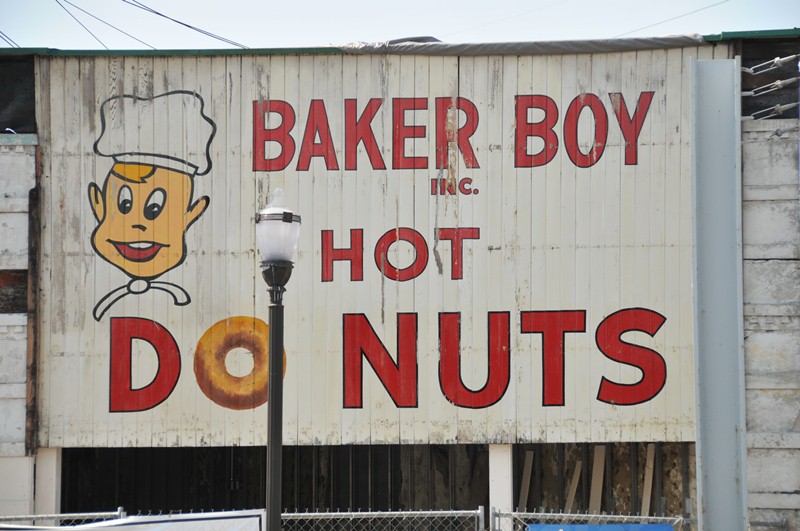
column 277, row 235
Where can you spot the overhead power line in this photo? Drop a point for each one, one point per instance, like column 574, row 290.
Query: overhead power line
column 137, row 3
column 108, row 24
column 505, row 19
column 81, row 23
column 671, row 19
column 9, row 40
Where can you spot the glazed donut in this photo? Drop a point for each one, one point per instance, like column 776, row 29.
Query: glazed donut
column 213, row 378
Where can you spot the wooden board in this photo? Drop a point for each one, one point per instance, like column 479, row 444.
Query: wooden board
column 647, row 490
column 573, row 487
column 525, row 483
column 598, row 469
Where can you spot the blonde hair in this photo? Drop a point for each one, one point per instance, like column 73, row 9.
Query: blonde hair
column 135, row 173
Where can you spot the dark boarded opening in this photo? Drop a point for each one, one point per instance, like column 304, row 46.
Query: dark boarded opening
column 13, row 291
column 17, row 96
column 315, row 478
column 162, row 479
column 376, row 478
column 549, row 470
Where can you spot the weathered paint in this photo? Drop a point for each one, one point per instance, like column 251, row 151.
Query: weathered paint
column 464, row 220
column 771, row 241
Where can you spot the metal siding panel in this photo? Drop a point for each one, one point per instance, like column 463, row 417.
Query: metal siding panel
column 414, row 425
column 558, row 427
column 657, row 177
column 493, row 163
column 307, row 323
column 413, row 421
column 687, row 250
column 433, row 292
column 517, row 72
column 718, row 297
column 592, row 229
column 98, row 282
column 332, row 91
column 553, row 237
column 194, row 419
column 231, row 215
column 397, row 212
column 631, row 230
column 574, row 211
column 640, row 254
column 444, row 296
column 671, row 258
column 362, row 81
column 473, row 307
column 533, row 74
column 275, row 79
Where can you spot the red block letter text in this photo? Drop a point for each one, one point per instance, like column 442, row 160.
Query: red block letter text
column 280, row 134
column 450, row 361
column 402, row 131
column 354, row 254
column 457, row 237
column 360, row 130
column 420, row 260
column 446, row 130
column 317, row 125
column 399, row 379
column 553, row 325
column 543, row 130
column 653, row 367
column 631, row 126
column 571, row 130
column 122, row 395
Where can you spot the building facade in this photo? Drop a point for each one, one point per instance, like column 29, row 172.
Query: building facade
column 495, row 279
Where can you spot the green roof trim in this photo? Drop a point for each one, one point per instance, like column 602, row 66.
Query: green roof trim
column 757, row 34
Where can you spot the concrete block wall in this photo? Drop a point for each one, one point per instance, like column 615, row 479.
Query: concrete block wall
column 13, row 361
column 771, row 238
column 17, row 177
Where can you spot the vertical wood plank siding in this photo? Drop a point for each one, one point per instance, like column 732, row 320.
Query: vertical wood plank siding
column 554, row 237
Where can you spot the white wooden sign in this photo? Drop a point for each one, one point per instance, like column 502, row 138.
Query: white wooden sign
column 493, row 249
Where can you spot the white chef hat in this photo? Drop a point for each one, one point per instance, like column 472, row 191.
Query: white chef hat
column 169, row 130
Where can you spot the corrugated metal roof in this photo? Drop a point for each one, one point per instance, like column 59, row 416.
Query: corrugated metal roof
column 525, row 48
column 411, row 46
column 432, row 46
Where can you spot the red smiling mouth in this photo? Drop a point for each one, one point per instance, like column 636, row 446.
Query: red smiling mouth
column 138, row 251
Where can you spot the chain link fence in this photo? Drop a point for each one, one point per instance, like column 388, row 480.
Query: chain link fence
column 519, row 521
column 63, row 519
column 391, row 521
column 385, row 521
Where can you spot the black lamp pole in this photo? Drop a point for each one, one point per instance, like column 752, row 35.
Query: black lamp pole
column 277, row 236
column 276, row 273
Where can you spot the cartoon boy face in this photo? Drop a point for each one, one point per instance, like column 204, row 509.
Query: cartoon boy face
column 143, row 212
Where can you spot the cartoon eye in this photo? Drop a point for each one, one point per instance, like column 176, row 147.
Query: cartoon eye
column 125, row 200
column 155, row 204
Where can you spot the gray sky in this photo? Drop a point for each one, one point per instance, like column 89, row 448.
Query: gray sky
column 270, row 24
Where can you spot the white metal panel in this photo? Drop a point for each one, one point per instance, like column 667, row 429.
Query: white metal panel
column 554, row 237
column 721, row 445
